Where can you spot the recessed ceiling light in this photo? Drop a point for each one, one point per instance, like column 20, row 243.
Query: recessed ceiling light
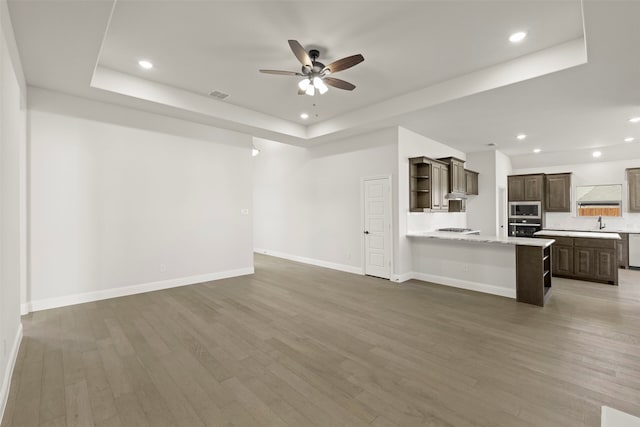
column 145, row 64
column 521, row 136
column 596, row 154
column 630, row 139
column 517, row 37
column 634, row 119
column 536, row 150
column 304, row 116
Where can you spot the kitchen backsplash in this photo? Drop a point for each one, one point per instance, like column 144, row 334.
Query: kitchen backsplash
column 427, row 221
column 566, row 221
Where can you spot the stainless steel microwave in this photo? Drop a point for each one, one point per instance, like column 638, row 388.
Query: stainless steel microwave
column 525, row 210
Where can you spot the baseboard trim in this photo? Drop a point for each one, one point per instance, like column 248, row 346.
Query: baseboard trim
column 312, row 261
column 400, row 278
column 48, row 303
column 6, row 384
column 465, row 284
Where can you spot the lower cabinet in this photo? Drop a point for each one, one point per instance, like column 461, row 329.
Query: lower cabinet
column 584, row 262
column 623, row 250
column 606, row 265
column 593, row 260
column 562, row 260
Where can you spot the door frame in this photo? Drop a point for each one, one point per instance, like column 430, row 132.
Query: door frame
column 362, row 223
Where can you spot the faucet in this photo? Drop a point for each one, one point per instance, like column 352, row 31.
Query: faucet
column 600, row 224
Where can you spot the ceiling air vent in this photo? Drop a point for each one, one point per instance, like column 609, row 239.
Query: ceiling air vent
column 218, row 94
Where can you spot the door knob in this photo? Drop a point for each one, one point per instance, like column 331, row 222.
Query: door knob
column 366, row 232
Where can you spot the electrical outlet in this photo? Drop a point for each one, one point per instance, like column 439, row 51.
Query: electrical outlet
column 163, row 268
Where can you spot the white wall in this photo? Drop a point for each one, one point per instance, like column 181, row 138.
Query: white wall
column 307, row 200
column 483, row 267
column 117, row 209
column 482, row 210
column 592, row 173
column 12, row 202
column 411, row 144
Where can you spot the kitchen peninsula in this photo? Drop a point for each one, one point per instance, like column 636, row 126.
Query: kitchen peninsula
column 513, row 267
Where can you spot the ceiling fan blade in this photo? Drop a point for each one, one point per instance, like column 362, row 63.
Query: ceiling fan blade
column 344, row 63
column 300, row 53
column 340, row 84
column 281, row 73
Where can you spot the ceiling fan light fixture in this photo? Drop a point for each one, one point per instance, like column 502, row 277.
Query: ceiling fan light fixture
column 304, row 84
column 311, row 90
column 319, row 84
column 314, row 72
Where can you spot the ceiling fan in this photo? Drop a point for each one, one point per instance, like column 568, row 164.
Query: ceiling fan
column 315, row 73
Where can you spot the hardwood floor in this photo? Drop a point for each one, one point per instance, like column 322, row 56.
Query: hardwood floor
column 297, row 345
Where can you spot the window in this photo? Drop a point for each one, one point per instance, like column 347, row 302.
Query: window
column 599, row 200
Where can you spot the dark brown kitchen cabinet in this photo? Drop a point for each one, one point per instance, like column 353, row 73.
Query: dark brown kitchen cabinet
column 596, row 259
column 633, row 179
column 440, row 186
column 471, row 182
column 527, row 188
column 419, row 184
column 584, row 262
column 457, row 179
column 562, row 260
column 557, row 194
column 533, row 274
column 583, row 258
column 428, row 185
column 622, row 247
column 605, row 265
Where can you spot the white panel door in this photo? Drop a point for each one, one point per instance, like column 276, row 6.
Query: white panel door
column 377, row 227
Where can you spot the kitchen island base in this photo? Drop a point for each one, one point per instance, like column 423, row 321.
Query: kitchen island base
column 533, row 274
column 509, row 267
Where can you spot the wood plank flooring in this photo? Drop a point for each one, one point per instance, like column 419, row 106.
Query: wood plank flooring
column 297, row 345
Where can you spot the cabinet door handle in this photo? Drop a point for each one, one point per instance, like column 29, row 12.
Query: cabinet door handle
column 366, row 232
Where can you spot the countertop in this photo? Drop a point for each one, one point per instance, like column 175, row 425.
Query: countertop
column 604, row 230
column 443, row 235
column 587, row 234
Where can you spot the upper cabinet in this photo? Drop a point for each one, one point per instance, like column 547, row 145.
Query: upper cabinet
column 419, row 184
column 428, row 185
column 431, row 180
column 633, row 178
column 557, row 194
column 457, row 179
column 440, row 185
column 525, row 187
column 471, row 182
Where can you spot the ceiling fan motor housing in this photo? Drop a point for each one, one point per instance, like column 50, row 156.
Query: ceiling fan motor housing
column 317, row 66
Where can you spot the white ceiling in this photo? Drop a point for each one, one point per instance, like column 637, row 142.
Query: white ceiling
column 443, row 69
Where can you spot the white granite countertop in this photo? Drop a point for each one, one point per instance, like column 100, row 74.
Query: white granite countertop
column 588, row 234
column 595, row 230
column 443, row 235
